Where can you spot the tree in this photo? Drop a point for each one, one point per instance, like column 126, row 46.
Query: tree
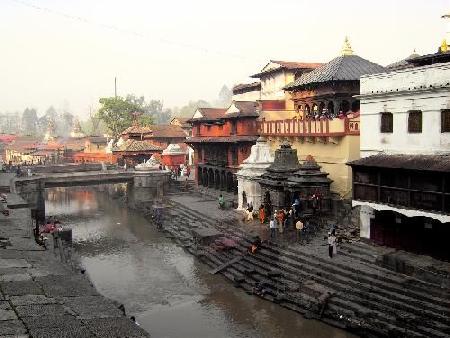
column 152, row 111
column 29, row 121
column 225, row 97
column 116, row 112
column 190, row 108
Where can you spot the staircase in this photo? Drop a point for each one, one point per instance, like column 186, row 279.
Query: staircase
column 353, row 292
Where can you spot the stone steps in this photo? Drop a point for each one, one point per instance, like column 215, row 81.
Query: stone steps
column 422, row 288
column 356, row 289
column 388, row 276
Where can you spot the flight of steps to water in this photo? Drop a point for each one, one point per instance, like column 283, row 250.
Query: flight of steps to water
column 360, row 296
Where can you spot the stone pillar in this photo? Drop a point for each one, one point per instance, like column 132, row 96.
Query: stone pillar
column 147, row 187
column 31, row 190
column 366, row 213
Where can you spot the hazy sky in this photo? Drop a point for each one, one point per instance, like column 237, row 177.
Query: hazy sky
column 66, row 53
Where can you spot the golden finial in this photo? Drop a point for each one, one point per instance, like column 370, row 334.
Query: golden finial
column 444, row 46
column 346, row 48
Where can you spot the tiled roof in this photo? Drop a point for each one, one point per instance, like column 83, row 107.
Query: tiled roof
column 156, row 130
column 298, row 65
column 166, row 130
column 227, row 139
column 246, row 109
column 341, row 68
column 288, row 65
column 212, row 113
column 403, row 64
column 138, row 145
column 413, row 162
column 136, row 130
column 98, row 139
column 247, row 86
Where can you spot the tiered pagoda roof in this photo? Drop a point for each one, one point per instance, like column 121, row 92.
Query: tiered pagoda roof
column 347, row 67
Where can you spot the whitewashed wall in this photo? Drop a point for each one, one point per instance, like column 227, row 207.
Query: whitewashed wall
column 423, row 88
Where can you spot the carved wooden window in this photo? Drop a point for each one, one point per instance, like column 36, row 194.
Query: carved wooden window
column 415, row 121
column 387, row 123
column 445, row 121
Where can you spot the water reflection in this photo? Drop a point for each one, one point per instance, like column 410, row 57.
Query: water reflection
column 171, row 294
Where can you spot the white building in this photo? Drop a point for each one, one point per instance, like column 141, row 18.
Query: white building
column 250, row 171
column 389, row 101
column 402, row 181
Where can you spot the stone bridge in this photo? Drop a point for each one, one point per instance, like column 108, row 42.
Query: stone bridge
column 142, row 186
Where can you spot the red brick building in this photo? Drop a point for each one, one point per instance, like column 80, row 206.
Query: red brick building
column 222, row 139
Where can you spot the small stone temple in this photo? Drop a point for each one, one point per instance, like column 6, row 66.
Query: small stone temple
column 285, row 180
column 274, row 181
column 309, row 180
column 250, row 172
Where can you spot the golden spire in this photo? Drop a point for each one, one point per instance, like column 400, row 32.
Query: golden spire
column 444, row 46
column 346, row 48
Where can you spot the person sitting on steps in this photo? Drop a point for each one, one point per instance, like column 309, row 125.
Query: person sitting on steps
column 221, row 202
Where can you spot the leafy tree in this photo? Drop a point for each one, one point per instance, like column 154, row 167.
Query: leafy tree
column 153, row 111
column 189, row 109
column 116, row 112
column 50, row 116
column 225, row 96
column 29, row 121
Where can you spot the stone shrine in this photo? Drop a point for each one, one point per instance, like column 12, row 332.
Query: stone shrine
column 251, row 170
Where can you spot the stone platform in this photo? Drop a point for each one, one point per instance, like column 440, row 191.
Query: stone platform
column 41, row 297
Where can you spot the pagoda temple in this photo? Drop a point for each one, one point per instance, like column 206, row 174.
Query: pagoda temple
column 286, row 180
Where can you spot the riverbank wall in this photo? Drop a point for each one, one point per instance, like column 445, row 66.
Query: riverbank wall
column 42, row 297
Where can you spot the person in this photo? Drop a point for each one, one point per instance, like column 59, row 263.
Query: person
column 280, row 220
column 331, row 244
column 125, row 166
column 221, row 202
column 249, row 212
column 256, row 244
column 296, row 207
column 262, row 214
column 299, row 228
column 273, row 227
column 188, row 171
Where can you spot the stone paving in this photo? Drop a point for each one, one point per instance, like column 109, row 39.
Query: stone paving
column 41, row 297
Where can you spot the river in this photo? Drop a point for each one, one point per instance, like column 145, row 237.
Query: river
column 168, row 290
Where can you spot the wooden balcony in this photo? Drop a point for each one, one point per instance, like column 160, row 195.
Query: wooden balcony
column 333, row 128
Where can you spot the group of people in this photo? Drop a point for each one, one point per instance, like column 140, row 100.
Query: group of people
column 50, row 226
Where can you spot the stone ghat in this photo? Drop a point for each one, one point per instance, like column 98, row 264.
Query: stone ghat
column 352, row 293
column 42, row 298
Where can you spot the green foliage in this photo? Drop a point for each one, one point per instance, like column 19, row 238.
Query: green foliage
column 29, row 122
column 116, row 112
column 190, row 108
column 153, row 111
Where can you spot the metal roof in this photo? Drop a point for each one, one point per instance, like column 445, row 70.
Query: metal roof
column 439, row 163
column 341, row 68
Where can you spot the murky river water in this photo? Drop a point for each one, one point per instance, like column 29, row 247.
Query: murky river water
column 170, row 293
